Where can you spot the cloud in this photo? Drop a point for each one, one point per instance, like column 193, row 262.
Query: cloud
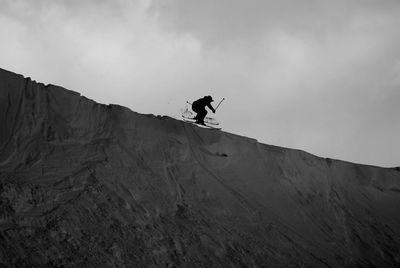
column 322, row 76
column 221, row 22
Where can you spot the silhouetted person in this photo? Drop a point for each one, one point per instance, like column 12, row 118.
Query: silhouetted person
column 199, row 107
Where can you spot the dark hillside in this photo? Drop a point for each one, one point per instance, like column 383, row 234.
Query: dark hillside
column 89, row 185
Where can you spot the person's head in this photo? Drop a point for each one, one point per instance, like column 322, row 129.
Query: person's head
column 208, row 98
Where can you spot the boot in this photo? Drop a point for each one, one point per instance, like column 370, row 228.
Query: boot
column 200, row 122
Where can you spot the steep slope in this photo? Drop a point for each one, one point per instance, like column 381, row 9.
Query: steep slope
column 84, row 184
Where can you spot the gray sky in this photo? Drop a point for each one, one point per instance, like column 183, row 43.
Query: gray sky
column 317, row 75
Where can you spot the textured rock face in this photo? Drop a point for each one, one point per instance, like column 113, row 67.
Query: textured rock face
column 84, row 185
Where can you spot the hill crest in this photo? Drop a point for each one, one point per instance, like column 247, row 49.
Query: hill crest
column 83, row 183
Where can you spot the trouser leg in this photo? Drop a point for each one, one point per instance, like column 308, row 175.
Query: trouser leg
column 201, row 115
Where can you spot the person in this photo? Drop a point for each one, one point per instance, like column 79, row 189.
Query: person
column 199, row 107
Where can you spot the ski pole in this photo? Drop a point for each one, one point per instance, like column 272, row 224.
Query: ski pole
column 219, row 103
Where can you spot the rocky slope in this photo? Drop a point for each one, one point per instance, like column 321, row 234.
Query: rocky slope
column 89, row 185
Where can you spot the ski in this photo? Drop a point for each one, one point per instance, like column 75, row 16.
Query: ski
column 208, row 120
column 202, row 126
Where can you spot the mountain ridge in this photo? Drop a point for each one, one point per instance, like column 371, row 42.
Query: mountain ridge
column 83, row 183
column 164, row 116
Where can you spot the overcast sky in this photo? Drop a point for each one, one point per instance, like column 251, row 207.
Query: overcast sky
column 318, row 75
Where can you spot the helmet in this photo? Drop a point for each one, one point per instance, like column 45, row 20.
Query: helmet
column 209, row 98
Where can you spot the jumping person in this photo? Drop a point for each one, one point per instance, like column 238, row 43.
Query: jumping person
column 199, row 107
